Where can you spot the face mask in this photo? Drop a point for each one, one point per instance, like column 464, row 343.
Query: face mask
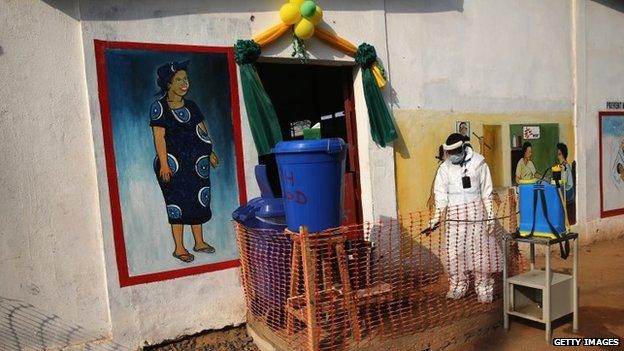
column 456, row 159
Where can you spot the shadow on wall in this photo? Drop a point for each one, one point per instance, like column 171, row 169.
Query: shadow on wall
column 420, row 264
column 399, row 144
column 132, row 10
column 617, row 5
column 1, row 51
column 24, row 327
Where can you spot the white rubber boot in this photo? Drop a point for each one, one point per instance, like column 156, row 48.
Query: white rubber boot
column 458, row 285
column 484, row 287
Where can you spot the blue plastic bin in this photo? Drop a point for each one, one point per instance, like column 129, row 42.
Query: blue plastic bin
column 553, row 205
column 311, row 177
column 264, row 218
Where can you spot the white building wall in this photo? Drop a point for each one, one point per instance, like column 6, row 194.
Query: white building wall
column 481, row 55
column 50, row 238
column 603, row 49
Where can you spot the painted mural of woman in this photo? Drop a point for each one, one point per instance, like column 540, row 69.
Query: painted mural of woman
column 184, row 156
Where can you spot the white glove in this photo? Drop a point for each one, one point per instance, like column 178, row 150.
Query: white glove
column 434, row 222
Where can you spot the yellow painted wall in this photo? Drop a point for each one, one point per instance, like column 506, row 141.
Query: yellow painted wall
column 421, row 133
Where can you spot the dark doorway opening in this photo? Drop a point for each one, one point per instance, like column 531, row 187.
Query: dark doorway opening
column 304, row 95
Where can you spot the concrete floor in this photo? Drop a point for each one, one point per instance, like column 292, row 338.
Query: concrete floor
column 601, row 305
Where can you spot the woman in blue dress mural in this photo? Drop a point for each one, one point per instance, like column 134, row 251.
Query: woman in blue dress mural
column 184, row 156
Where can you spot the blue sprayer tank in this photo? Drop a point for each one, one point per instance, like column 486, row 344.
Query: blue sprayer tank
column 311, row 175
column 531, row 207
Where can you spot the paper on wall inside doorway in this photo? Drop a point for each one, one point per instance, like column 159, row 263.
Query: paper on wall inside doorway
column 530, row 132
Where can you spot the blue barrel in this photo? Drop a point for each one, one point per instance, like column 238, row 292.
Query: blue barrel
column 554, row 207
column 311, row 175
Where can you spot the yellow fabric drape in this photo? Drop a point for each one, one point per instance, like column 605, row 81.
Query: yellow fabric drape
column 348, row 48
column 335, row 41
column 271, row 34
column 379, row 78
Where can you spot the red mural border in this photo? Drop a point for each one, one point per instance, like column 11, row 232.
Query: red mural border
column 111, row 170
column 605, row 213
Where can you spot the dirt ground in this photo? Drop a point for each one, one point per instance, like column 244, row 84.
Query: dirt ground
column 601, row 305
column 601, row 311
column 228, row 339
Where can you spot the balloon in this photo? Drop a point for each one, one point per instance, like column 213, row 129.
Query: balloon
column 297, row 2
column 318, row 15
column 308, row 8
column 304, row 29
column 289, row 14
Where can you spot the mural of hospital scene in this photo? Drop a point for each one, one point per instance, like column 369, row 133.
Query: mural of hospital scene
column 530, row 142
column 612, row 163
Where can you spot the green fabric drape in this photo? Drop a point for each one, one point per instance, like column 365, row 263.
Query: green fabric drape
column 263, row 121
column 265, row 128
column 380, row 118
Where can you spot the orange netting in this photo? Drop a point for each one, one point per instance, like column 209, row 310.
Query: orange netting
column 380, row 285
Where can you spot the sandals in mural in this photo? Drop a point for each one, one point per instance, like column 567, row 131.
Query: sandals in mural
column 207, row 249
column 185, row 257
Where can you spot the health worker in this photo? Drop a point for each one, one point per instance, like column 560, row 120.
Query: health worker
column 463, row 201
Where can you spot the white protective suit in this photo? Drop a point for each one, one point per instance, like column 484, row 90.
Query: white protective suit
column 470, row 245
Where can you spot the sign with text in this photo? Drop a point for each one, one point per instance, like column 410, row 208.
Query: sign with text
column 530, row 132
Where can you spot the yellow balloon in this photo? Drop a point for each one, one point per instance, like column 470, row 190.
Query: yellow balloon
column 297, row 2
column 304, row 29
column 318, row 15
column 289, row 13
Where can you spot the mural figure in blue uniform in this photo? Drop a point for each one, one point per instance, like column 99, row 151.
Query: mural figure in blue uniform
column 183, row 159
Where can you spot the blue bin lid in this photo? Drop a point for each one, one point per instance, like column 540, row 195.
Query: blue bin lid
column 246, row 211
column 259, row 207
column 270, row 208
column 330, row 145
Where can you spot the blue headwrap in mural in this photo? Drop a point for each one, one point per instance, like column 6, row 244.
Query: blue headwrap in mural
column 166, row 72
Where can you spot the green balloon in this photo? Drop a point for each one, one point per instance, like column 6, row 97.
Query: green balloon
column 308, row 8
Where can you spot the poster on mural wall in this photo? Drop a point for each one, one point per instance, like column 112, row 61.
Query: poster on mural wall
column 171, row 130
column 611, row 163
column 531, row 132
column 463, row 128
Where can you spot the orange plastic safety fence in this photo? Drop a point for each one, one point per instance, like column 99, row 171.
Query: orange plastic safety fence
column 382, row 285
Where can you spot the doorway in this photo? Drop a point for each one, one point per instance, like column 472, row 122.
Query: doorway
column 305, row 95
column 493, row 153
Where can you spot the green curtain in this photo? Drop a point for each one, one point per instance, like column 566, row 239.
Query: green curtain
column 380, row 119
column 265, row 128
column 263, row 121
